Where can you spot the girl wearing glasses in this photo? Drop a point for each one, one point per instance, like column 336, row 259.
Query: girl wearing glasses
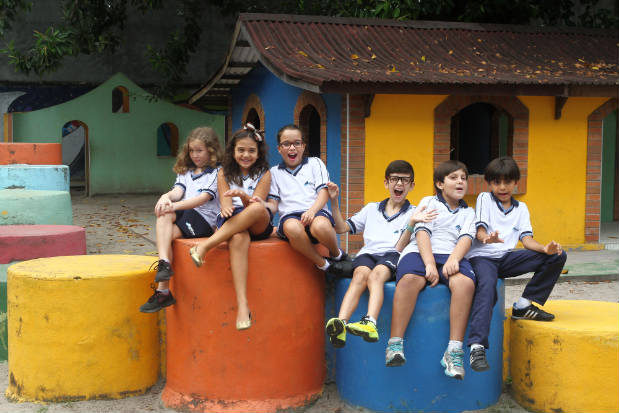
column 299, row 192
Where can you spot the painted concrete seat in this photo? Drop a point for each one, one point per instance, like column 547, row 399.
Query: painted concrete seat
column 25, row 242
column 31, row 207
column 276, row 364
column 30, row 153
column 570, row 364
column 74, row 329
column 40, row 177
column 419, row 385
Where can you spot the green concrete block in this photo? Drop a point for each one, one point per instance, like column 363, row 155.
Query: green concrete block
column 4, row 343
column 30, row 207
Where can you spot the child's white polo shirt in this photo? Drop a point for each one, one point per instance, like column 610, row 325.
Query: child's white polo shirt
column 447, row 228
column 296, row 190
column 380, row 232
column 194, row 185
column 513, row 224
column 249, row 186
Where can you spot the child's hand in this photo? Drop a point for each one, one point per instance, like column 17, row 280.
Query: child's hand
column 451, row 267
column 553, row 248
column 257, row 199
column 163, row 205
column 492, row 238
column 236, row 192
column 432, row 274
column 423, row 215
column 333, row 190
column 307, row 217
column 227, row 212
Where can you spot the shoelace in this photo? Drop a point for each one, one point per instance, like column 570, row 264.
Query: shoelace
column 155, row 265
column 396, row 347
column 456, row 358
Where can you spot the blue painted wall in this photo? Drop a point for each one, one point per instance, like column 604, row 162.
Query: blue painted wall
column 278, row 101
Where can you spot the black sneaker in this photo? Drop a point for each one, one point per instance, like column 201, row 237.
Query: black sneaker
column 157, row 301
column 478, row 359
column 531, row 313
column 164, row 270
column 342, row 268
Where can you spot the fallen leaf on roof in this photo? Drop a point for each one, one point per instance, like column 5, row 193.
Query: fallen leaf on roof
column 451, row 52
column 302, row 53
column 373, row 56
column 318, row 66
column 595, row 68
column 354, row 56
column 423, row 58
column 392, row 69
column 268, row 47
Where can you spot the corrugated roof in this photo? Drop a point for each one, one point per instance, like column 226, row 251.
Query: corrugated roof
column 327, row 54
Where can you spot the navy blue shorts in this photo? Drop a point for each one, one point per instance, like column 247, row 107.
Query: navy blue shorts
column 297, row 215
column 389, row 260
column 254, row 237
column 412, row 263
column 192, row 224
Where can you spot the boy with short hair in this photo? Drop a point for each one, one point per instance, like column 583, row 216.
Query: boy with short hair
column 381, row 224
column 436, row 254
column 501, row 222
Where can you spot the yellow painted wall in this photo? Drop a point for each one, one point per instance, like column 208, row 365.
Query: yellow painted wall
column 402, row 127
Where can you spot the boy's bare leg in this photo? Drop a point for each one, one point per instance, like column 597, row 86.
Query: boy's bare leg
column 355, row 289
column 404, row 300
column 376, row 283
column 238, row 248
column 253, row 215
column 462, row 290
column 323, row 231
column 295, row 232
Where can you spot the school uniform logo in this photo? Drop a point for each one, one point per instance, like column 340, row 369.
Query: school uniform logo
column 251, row 188
column 308, row 183
column 458, row 227
column 515, row 229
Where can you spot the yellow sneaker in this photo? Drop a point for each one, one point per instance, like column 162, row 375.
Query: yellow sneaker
column 364, row 328
column 336, row 331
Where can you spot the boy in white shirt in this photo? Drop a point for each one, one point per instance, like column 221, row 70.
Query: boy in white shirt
column 501, row 222
column 436, row 254
column 382, row 224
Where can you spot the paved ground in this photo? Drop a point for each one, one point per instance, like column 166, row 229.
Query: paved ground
column 124, row 224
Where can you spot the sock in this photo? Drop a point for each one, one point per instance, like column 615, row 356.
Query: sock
column 454, row 345
column 522, row 303
column 339, row 257
column 164, row 292
column 324, row 267
column 372, row 319
column 166, row 260
column 475, row 346
column 395, row 340
column 344, row 321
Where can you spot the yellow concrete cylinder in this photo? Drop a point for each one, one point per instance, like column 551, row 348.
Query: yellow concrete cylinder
column 75, row 332
column 570, row 364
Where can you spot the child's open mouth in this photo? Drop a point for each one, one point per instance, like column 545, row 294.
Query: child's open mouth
column 398, row 192
column 292, row 156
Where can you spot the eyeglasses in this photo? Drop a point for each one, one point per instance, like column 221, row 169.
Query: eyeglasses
column 404, row 179
column 286, row 144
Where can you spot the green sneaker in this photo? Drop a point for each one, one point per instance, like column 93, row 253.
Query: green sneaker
column 336, row 331
column 364, row 328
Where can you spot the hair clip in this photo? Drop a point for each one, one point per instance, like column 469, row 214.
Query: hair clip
column 257, row 134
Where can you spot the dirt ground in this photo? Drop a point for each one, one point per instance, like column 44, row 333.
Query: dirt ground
column 123, row 224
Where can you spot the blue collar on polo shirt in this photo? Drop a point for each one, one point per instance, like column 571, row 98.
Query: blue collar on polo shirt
column 294, row 171
column 500, row 205
column 383, row 204
column 205, row 171
column 461, row 203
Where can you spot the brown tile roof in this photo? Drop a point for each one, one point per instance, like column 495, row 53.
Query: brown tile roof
column 346, row 55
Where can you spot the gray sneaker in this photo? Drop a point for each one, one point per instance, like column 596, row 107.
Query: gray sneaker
column 394, row 356
column 453, row 362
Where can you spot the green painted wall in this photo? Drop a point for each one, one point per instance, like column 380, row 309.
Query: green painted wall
column 123, row 146
column 609, row 150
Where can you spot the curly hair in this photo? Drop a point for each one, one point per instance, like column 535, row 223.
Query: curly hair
column 232, row 170
column 210, row 140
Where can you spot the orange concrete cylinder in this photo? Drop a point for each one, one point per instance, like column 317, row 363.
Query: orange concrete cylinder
column 276, row 364
column 31, row 153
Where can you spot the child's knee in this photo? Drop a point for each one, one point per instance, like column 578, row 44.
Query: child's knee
column 293, row 229
column 411, row 282
column 239, row 239
column 361, row 275
column 321, row 225
column 461, row 282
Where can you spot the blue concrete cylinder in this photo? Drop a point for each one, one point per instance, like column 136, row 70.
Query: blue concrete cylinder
column 31, row 207
column 420, row 385
column 37, row 177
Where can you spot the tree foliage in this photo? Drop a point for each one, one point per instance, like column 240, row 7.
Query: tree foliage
column 96, row 26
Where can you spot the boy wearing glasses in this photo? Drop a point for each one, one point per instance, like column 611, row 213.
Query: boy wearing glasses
column 381, row 224
column 299, row 192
